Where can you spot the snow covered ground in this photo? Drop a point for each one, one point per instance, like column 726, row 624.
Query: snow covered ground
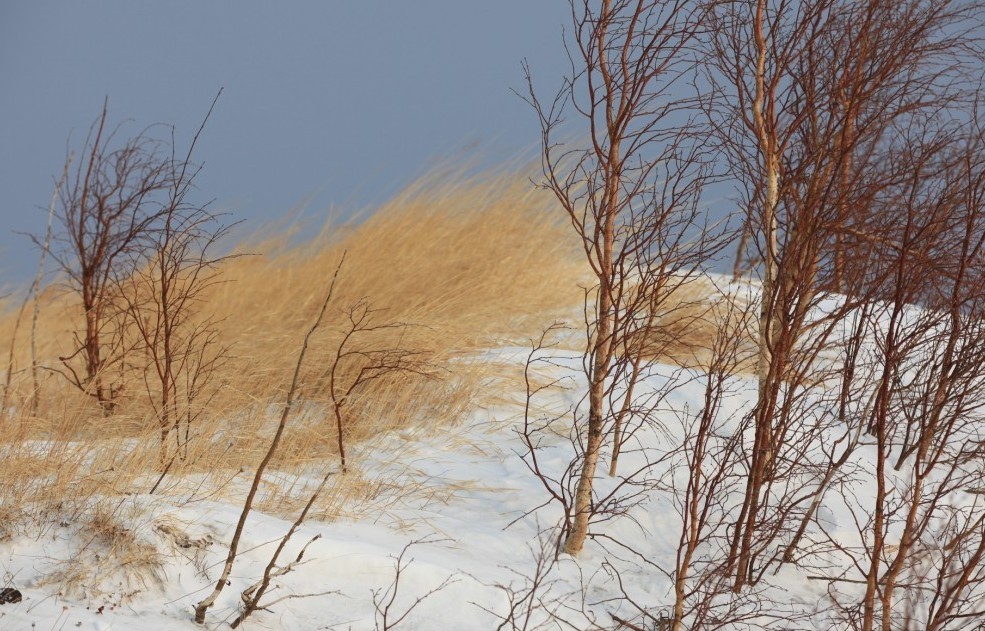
column 457, row 502
column 456, row 491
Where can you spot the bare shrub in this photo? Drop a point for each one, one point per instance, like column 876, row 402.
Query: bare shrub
column 390, row 614
column 162, row 298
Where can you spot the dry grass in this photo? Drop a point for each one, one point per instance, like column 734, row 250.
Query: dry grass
column 693, row 314
column 115, row 558
column 467, row 262
column 451, row 265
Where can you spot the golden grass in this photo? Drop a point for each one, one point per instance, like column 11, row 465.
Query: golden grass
column 693, row 313
column 467, row 262
column 114, row 557
column 452, row 265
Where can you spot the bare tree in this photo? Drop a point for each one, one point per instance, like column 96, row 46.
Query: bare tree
column 355, row 365
column 105, row 210
column 706, row 475
column 162, row 296
column 809, row 101
column 755, row 44
column 205, row 604
column 33, row 292
column 920, row 543
column 632, row 195
column 359, row 361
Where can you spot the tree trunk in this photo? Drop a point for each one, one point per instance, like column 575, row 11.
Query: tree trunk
column 738, row 266
column 763, row 449
column 601, row 350
column 596, row 400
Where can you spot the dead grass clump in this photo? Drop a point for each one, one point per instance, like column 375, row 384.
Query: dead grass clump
column 287, row 492
column 9, row 517
column 689, row 317
column 113, row 559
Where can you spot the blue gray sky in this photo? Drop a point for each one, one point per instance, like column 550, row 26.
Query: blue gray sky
column 337, row 102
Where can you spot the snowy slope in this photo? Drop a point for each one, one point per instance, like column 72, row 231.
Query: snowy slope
column 463, row 493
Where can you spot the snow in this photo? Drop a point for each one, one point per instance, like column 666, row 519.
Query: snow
column 459, row 489
column 460, row 496
column 464, row 494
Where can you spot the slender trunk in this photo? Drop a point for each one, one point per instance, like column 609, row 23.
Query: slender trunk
column 740, row 251
column 680, row 582
column 340, row 436
column 601, row 349
column 35, row 378
column 169, row 412
column 748, row 521
column 882, row 452
column 768, row 320
column 763, row 449
column 94, row 361
column 788, row 553
column 583, row 496
column 872, row 575
column 844, row 179
column 690, row 535
column 596, row 399
column 8, row 379
column 165, row 423
column 617, row 429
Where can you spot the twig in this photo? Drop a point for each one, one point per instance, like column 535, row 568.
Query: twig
column 383, row 600
column 205, row 604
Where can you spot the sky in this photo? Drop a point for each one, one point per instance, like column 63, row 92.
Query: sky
column 336, row 104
